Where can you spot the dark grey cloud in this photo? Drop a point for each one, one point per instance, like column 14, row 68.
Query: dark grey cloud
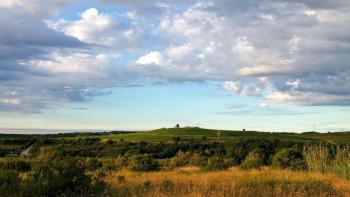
column 26, row 47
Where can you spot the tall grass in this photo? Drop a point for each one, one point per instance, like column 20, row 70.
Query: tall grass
column 233, row 182
column 325, row 159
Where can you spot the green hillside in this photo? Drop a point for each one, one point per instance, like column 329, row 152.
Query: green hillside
column 184, row 134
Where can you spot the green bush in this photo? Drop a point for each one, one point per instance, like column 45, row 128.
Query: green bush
column 289, row 158
column 143, row 163
column 15, row 164
column 180, row 159
column 92, row 164
column 214, row 163
column 252, row 160
column 61, row 178
column 10, row 183
column 109, row 165
column 121, row 162
column 196, row 160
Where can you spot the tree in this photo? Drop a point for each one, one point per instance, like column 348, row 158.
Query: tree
column 289, row 158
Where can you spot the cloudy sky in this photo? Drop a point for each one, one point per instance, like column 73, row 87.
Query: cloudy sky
column 276, row 65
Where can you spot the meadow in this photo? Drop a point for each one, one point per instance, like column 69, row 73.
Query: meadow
column 176, row 162
column 191, row 181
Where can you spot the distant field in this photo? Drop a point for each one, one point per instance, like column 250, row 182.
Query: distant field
column 226, row 136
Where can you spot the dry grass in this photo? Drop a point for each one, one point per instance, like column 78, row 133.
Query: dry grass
column 190, row 181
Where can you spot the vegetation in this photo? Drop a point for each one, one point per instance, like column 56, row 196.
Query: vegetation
column 241, row 165
column 190, row 181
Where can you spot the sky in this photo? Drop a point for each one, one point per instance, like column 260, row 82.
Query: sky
column 267, row 65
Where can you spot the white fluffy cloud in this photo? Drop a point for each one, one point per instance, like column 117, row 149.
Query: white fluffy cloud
column 299, row 47
column 153, row 57
column 77, row 63
column 100, row 29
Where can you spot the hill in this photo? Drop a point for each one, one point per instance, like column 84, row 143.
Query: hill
column 186, row 134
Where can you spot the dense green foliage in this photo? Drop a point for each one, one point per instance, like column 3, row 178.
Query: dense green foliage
column 143, row 163
column 68, row 177
column 289, row 158
column 73, row 165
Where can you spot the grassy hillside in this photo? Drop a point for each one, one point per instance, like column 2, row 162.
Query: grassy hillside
column 169, row 134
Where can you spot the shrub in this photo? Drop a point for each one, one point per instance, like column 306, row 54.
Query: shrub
column 62, row 178
column 121, row 179
column 167, row 185
column 121, row 162
column 109, row 165
column 289, row 158
column 92, row 164
column 10, row 183
column 180, row 159
column 196, row 160
column 15, row 164
column 143, row 163
column 214, row 163
column 252, row 160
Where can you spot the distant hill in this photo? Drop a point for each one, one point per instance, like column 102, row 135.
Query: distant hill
column 171, row 134
column 195, row 133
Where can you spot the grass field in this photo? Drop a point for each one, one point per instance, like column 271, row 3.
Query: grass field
column 190, row 181
column 227, row 136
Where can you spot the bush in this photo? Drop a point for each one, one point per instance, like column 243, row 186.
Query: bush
column 143, row 163
column 10, row 183
column 92, row 164
column 167, row 185
column 196, row 160
column 62, row 178
column 121, row 162
column 109, row 165
column 289, row 158
column 215, row 163
column 252, row 160
column 180, row 159
column 15, row 164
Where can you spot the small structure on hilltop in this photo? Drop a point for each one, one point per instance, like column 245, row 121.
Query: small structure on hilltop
column 243, row 129
column 177, row 126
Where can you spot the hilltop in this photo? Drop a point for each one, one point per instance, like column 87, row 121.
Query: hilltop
column 202, row 134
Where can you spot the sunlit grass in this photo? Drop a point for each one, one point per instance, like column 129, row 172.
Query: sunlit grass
column 190, row 181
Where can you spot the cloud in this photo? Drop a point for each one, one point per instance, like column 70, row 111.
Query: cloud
column 309, row 98
column 99, row 29
column 300, row 47
column 41, row 67
column 153, row 57
column 283, row 51
column 9, row 3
